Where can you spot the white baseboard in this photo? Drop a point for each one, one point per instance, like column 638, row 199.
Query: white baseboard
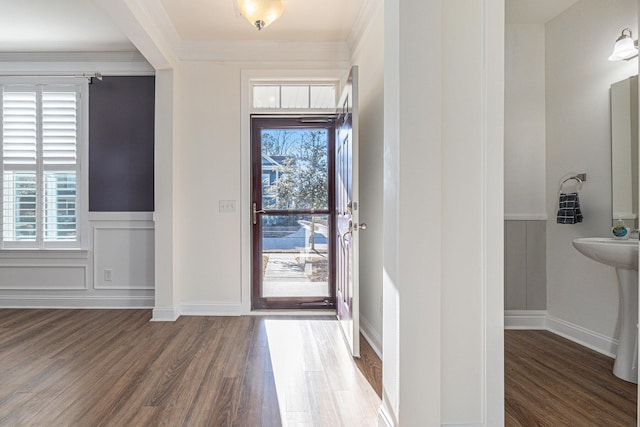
column 525, row 319
column 300, row 313
column 371, row 335
column 27, row 302
column 384, row 419
column 461, row 425
column 210, row 309
column 541, row 320
column 525, row 217
column 593, row 340
column 165, row 314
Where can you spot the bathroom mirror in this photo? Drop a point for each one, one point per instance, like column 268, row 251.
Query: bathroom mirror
column 624, row 151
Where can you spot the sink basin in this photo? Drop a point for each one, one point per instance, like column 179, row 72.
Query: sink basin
column 623, row 255
column 609, row 251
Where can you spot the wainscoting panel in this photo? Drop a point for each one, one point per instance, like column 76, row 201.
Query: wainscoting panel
column 43, row 277
column 515, row 265
column 122, row 242
column 123, row 257
column 525, row 265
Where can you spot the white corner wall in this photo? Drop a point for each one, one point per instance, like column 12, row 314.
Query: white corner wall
column 582, row 293
column 524, row 122
column 368, row 55
column 443, row 213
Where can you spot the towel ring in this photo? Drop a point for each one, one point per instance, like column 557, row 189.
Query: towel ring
column 572, row 178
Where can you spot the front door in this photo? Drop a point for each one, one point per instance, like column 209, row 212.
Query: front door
column 347, row 213
column 292, row 205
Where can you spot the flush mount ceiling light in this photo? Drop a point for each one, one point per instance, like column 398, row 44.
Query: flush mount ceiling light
column 260, row 13
column 625, row 47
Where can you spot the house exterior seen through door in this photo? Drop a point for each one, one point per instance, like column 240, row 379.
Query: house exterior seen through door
column 292, row 204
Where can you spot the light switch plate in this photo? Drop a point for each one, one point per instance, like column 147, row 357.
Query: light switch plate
column 226, row 206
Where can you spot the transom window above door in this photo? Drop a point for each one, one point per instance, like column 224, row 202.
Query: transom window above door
column 294, row 96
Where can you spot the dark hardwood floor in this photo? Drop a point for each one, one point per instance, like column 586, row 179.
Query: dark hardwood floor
column 551, row 381
column 115, row 368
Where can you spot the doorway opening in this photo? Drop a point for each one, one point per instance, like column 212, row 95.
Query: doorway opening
column 292, row 200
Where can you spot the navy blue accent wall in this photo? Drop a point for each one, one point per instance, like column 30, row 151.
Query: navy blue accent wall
column 121, row 129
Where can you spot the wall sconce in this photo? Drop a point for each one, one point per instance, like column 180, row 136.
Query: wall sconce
column 260, row 13
column 625, row 47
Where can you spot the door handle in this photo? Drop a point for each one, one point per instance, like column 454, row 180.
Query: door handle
column 343, row 237
column 255, row 214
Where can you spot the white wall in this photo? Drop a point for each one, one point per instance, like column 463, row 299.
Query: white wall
column 524, row 127
column 582, row 292
column 368, row 55
column 443, row 213
column 208, row 170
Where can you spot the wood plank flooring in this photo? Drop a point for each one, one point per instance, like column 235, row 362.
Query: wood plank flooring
column 551, row 381
column 115, row 368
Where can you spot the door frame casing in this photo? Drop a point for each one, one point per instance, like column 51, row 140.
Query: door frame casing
column 334, row 71
column 287, row 121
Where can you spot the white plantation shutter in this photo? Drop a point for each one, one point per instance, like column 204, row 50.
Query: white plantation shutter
column 19, row 130
column 59, row 128
column 59, row 147
column 40, row 138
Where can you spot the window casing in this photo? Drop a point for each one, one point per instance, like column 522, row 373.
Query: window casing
column 43, row 142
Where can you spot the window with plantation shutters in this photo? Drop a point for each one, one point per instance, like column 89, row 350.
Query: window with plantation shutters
column 40, row 165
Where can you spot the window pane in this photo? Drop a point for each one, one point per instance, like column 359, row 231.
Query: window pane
column 323, row 96
column 19, row 207
column 266, row 96
column 295, row 258
column 39, row 160
column 295, row 168
column 60, row 222
column 295, row 97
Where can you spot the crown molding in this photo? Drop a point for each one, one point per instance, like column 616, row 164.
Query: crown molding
column 132, row 56
column 263, row 51
column 106, row 63
column 362, row 24
column 158, row 14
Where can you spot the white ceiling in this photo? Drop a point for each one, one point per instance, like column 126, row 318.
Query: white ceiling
column 58, row 26
column 301, row 21
column 82, row 26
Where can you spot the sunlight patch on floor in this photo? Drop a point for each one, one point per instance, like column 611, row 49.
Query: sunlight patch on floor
column 316, row 379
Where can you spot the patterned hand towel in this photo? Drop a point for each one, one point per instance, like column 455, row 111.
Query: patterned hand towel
column 569, row 209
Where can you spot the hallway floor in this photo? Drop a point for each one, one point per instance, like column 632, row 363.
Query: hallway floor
column 115, row 368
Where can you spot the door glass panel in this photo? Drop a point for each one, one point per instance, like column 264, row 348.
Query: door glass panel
column 295, row 172
column 295, row 260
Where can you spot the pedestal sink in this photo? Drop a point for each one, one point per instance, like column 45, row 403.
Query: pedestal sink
column 623, row 255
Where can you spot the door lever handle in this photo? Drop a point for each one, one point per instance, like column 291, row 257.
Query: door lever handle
column 343, row 237
column 255, row 213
